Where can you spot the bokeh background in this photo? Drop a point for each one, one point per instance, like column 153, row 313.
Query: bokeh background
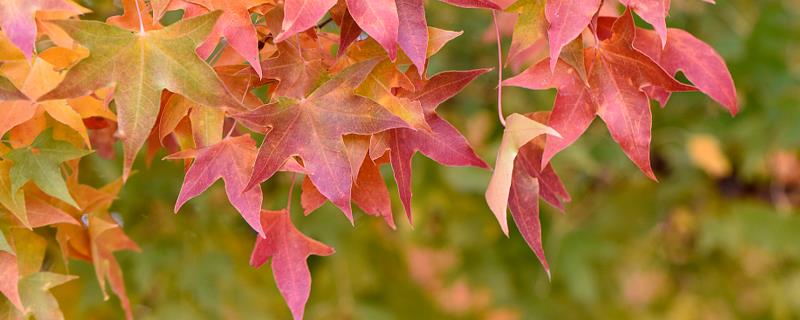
column 717, row 238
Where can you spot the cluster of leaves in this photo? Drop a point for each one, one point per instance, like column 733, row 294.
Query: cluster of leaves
column 332, row 107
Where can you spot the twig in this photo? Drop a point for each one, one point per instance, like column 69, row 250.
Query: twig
column 324, row 23
column 499, row 70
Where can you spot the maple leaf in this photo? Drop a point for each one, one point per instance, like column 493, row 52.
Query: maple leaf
column 235, row 25
column 134, row 16
column 241, row 80
column 74, row 240
column 519, row 131
column 107, row 237
column 13, row 202
column 378, row 18
column 654, row 12
column 567, row 20
column 288, row 249
column 9, row 92
column 206, row 122
column 413, row 31
column 35, row 293
column 369, row 193
column 40, row 213
column 38, row 78
column 529, row 28
column 312, row 129
column 524, row 202
column 370, row 49
column 530, row 181
column 299, row 15
column 30, row 250
column 232, row 161
column 99, row 237
column 573, row 55
column 15, row 113
column 207, row 125
column 349, row 31
column 160, row 7
column 437, row 38
column 8, row 50
column 379, row 86
column 443, row 144
column 18, row 19
column 618, row 73
column 16, row 107
column 9, row 278
column 190, row 10
column 46, row 27
column 357, row 148
column 40, row 163
column 298, row 66
column 174, row 111
column 700, row 63
column 33, row 211
column 9, row 273
column 165, row 59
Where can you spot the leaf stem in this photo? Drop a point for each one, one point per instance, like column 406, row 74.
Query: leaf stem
column 291, row 190
column 499, row 70
column 231, row 130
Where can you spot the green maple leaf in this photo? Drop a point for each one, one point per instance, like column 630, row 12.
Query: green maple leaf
column 141, row 65
column 530, row 27
column 35, row 293
column 40, row 162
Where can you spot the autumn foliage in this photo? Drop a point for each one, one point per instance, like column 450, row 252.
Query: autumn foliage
column 330, row 107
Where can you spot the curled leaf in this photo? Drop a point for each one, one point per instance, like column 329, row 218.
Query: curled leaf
column 519, row 131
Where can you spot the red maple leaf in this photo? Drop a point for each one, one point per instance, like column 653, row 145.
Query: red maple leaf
column 618, row 75
column 530, row 181
column 236, row 27
column 698, row 61
column 312, row 128
column 299, row 15
column 289, row 249
column 567, row 20
column 369, row 193
column 378, row 18
column 232, row 161
column 443, row 144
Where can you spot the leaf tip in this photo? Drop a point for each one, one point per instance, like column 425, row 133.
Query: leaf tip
column 553, row 132
column 732, row 106
column 281, row 37
column 410, row 220
column 178, row 205
column 650, row 174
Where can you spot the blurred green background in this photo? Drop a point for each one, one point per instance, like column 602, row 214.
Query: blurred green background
column 703, row 243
